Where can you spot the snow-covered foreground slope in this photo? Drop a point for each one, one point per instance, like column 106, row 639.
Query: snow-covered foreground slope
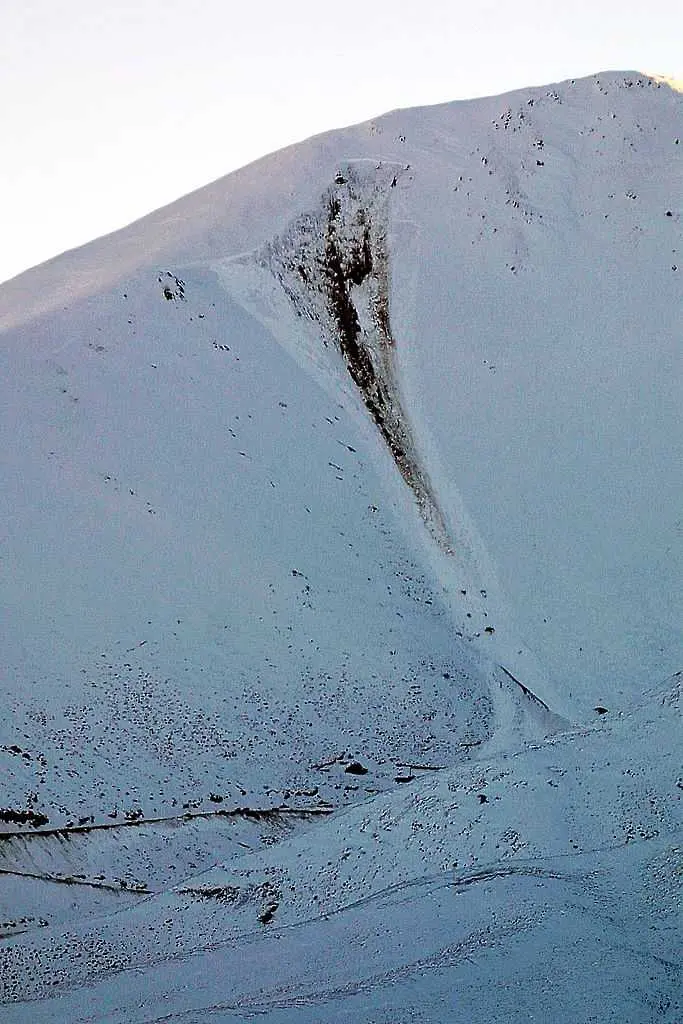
column 537, row 885
column 337, row 496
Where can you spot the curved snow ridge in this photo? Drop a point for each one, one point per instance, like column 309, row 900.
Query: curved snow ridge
column 324, row 288
column 333, row 266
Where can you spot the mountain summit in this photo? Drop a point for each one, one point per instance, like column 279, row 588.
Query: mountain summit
column 341, row 582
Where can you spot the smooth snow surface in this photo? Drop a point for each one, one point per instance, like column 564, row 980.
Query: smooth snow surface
column 337, row 498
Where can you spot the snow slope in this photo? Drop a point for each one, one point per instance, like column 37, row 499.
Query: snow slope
column 366, row 457
column 554, row 900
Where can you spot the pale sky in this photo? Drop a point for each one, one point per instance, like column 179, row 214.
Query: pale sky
column 110, row 110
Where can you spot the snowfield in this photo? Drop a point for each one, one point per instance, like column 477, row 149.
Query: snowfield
column 341, row 583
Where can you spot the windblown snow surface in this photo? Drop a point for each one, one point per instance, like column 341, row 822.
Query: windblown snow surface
column 341, row 583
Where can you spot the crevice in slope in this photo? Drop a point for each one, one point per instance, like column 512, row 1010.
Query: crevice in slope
column 333, row 265
column 90, row 883
column 250, row 813
column 525, row 689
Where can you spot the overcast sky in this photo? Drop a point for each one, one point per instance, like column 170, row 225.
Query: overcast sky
column 110, row 110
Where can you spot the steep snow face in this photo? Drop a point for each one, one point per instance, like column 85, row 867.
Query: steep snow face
column 529, row 357
column 547, row 294
column 327, row 492
column 204, row 568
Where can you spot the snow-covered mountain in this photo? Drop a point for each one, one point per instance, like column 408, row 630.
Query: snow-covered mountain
column 341, row 582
